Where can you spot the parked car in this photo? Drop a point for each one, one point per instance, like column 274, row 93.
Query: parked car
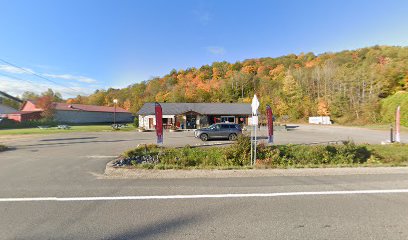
column 219, row 130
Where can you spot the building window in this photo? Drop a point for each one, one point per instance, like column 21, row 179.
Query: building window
column 228, row 119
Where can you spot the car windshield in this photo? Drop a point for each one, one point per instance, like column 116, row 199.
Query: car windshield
column 212, row 126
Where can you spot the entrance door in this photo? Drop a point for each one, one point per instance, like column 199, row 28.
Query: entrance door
column 150, row 123
column 191, row 120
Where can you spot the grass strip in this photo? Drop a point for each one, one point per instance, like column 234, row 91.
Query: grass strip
column 237, row 156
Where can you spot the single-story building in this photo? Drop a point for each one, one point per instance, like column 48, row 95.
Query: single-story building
column 195, row 115
column 23, row 116
column 73, row 113
column 4, row 109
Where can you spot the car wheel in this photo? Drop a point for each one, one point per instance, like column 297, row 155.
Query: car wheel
column 232, row 137
column 204, row 137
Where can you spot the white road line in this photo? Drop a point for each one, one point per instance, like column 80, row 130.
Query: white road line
column 232, row 195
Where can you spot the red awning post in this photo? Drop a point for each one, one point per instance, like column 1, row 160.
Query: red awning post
column 159, row 123
column 269, row 115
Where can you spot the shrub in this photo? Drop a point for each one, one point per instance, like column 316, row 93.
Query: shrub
column 239, row 153
column 136, row 122
column 178, row 157
column 193, row 157
column 294, row 155
column 3, row 148
column 9, row 124
column 142, row 150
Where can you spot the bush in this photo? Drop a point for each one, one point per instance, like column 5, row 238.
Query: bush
column 303, row 155
column 9, row 124
column 3, row 148
column 136, row 122
column 178, row 157
column 193, row 157
column 238, row 155
column 142, row 150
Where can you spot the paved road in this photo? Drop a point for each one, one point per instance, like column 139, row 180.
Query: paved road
column 67, row 166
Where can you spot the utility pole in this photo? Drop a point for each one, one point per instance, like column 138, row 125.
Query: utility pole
column 115, row 101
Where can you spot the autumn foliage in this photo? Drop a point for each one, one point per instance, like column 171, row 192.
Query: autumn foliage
column 348, row 86
column 46, row 103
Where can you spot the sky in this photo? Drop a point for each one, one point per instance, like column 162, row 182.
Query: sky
column 78, row 46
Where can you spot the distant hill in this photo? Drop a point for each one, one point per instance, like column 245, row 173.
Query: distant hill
column 346, row 85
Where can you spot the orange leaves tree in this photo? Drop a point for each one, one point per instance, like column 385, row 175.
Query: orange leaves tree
column 46, row 103
column 343, row 85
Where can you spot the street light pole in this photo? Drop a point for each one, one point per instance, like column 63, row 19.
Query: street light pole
column 115, row 101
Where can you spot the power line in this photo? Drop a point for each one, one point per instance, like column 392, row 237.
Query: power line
column 17, row 78
column 40, row 76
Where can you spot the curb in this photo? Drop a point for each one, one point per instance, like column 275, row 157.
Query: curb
column 133, row 173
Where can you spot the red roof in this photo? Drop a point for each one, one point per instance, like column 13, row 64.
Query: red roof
column 87, row 108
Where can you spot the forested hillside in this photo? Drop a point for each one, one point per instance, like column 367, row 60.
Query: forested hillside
column 347, row 85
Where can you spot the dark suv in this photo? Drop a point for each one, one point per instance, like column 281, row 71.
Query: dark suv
column 219, row 130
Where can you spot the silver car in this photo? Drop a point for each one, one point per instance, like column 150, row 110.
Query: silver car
column 219, row 130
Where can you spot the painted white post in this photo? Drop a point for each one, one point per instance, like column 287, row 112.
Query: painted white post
column 397, row 125
column 254, row 105
column 255, row 146
column 251, row 141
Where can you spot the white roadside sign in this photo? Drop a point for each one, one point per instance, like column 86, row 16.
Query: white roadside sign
column 254, row 105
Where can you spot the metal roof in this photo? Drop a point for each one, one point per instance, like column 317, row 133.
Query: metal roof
column 10, row 97
column 201, row 108
column 87, row 108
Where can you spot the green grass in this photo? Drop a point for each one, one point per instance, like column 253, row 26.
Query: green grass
column 381, row 127
column 393, row 154
column 237, row 156
column 389, row 106
column 84, row 128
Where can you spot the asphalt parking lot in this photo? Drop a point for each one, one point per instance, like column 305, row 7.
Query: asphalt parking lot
column 296, row 134
column 55, row 174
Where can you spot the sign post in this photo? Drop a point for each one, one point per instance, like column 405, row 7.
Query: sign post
column 159, row 123
column 397, row 125
column 254, row 106
column 269, row 115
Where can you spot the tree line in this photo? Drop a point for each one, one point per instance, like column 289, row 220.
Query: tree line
column 347, row 85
